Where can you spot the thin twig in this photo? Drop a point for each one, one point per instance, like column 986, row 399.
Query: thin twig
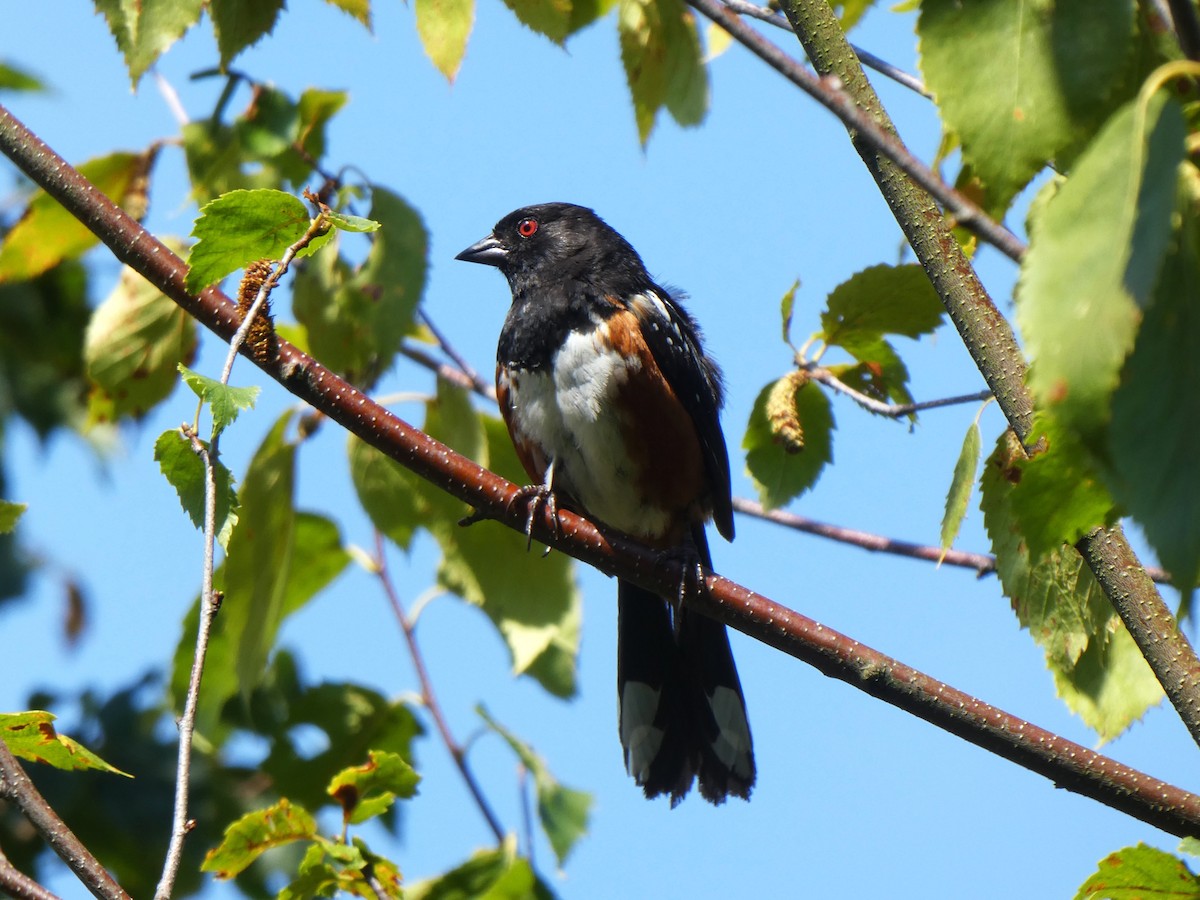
column 16, row 884
column 448, row 372
column 891, row 410
column 829, row 93
column 1066, row 764
column 180, row 826
column 869, row 59
column 478, row 382
column 16, row 787
column 428, row 697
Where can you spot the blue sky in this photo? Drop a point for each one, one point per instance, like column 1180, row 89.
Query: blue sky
column 853, row 796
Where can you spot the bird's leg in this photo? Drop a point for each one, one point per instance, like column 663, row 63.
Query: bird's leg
column 540, row 496
column 691, row 578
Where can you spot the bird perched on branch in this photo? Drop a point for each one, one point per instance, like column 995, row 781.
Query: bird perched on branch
column 613, row 407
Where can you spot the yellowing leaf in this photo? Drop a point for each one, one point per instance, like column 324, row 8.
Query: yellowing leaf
column 30, row 735
column 257, row 832
column 444, row 27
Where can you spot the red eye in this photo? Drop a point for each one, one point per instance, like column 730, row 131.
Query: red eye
column 527, row 228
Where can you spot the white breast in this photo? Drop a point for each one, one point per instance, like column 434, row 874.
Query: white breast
column 570, row 411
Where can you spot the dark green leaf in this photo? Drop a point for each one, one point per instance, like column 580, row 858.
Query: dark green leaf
column 1019, row 82
column 961, row 484
column 549, row 17
column 10, row 512
column 368, row 790
column 1156, row 416
column 1059, row 496
column 31, row 735
column 144, row 30
column 1097, row 669
column 660, row 49
column 879, row 373
column 224, row 401
column 562, row 811
column 881, row 300
column 184, row 470
column 240, row 24
column 780, row 476
column 47, row 234
column 257, row 832
column 1095, row 251
column 1138, row 873
column 242, row 227
column 351, row 223
column 444, row 27
column 488, row 875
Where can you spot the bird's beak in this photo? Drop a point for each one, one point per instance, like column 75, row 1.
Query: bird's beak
column 488, row 251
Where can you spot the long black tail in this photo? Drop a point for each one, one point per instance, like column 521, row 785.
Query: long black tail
column 682, row 713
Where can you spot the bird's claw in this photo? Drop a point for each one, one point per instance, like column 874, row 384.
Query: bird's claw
column 540, row 497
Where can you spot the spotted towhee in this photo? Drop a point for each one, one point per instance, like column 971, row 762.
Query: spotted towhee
column 613, row 406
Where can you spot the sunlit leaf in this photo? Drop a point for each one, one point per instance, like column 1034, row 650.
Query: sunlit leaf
column 242, row 227
column 881, row 300
column 146, row 29
column 444, row 27
column 1139, row 873
column 239, row 24
column 368, row 790
column 47, row 233
column 224, row 401
column 660, row 49
column 257, row 832
column 780, row 476
column 31, row 735
column 13, row 78
column 488, row 875
column 961, row 485
column 10, row 512
column 184, row 470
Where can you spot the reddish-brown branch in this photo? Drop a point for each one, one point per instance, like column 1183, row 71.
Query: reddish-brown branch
column 1067, row 764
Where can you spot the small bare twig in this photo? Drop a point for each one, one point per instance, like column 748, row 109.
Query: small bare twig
column 428, row 697
column 828, row 91
column 208, row 601
column 448, row 372
column 16, row 884
column 869, row 59
column 891, row 410
column 478, row 383
column 16, row 787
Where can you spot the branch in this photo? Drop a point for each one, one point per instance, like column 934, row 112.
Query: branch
column 428, row 697
column 989, row 338
column 868, row 59
column 16, row 786
column 891, row 410
column 15, row 883
column 828, row 91
column 1067, row 764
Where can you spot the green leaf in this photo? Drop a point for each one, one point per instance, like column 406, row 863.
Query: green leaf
column 358, row 9
column 388, row 492
column 1140, row 872
column 881, row 300
column 134, row 343
column 47, row 234
column 30, row 735
column 1098, row 671
column 13, row 78
column 780, row 476
column 356, row 320
column 10, row 512
column 786, row 305
column 368, row 790
column 879, row 373
column 242, row 227
column 146, row 29
column 184, row 471
column 849, row 12
column 562, row 811
column 663, row 59
column 351, row 223
column 1059, row 496
column 488, row 875
column 224, row 401
column 549, row 17
column 961, row 485
column 239, row 24
column 1156, row 415
column 1095, row 251
column 444, row 27
column 1014, row 88
column 257, row 832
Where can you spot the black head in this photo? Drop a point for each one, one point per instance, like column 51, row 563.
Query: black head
column 555, row 240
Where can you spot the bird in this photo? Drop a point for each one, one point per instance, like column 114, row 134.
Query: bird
column 613, row 407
